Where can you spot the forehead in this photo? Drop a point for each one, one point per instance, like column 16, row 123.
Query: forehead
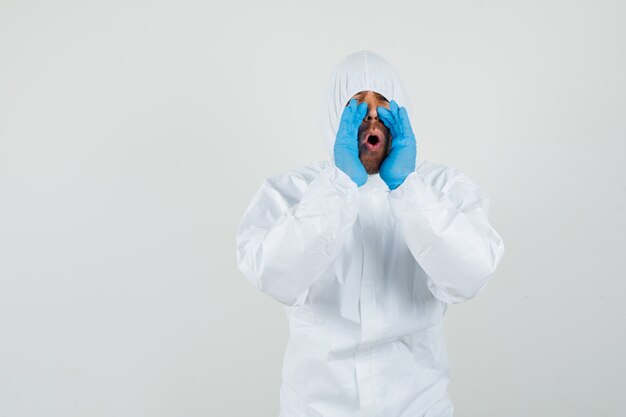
column 378, row 96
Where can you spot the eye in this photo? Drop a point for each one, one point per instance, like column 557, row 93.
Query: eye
column 358, row 100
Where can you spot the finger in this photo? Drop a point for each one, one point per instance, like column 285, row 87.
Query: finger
column 360, row 113
column 393, row 106
column 388, row 120
column 386, row 116
column 346, row 115
column 406, row 123
column 350, row 106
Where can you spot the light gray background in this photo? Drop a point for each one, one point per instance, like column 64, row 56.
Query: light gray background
column 133, row 135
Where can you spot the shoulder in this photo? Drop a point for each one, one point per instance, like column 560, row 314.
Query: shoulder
column 439, row 175
column 291, row 184
column 453, row 182
column 279, row 192
column 304, row 174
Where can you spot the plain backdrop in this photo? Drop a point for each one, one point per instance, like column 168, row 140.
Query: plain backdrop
column 133, row 134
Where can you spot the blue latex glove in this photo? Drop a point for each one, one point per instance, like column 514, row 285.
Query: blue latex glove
column 346, row 149
column 400, row 161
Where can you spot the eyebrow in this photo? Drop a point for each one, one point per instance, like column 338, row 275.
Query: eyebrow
column 379, row 96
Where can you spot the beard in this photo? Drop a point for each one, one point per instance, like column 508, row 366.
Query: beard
column 374, row 145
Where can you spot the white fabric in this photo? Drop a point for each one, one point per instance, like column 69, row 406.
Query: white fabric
column 366, row 274
column 363, row 70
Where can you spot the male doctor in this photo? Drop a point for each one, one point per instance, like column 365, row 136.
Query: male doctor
column 366, row 251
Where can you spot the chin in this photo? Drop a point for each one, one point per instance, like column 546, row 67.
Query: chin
column 372, row 171
column 372, row 166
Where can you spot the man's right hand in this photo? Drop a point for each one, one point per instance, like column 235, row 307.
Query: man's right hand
column 346, row 149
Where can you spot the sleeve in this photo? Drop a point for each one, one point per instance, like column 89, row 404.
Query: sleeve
column 448, row 232
column 293, row 229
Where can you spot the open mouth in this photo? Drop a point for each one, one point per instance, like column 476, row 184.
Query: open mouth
column 372, row 142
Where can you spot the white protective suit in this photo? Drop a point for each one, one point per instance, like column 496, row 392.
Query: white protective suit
column 366, row 274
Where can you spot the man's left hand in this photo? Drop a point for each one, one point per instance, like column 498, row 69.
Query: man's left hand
column 401, row 159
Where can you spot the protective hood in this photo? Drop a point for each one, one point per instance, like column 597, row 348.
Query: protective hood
column 366, row 274
column 362, row 70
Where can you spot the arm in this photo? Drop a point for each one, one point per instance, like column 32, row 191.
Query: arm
column 448, row 232
column 293, row 230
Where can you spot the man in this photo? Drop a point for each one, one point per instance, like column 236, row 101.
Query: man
column 366, row 251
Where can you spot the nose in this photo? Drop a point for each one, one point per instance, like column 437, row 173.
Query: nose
column 372, row 114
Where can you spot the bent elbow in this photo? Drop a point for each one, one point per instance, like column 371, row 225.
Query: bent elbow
column 469, row 276
column 270, row 282
column 454, row 294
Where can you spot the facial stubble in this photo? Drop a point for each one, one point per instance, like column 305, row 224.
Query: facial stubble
column 372, row 160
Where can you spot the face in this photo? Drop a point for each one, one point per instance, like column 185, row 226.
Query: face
column 374, row 137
